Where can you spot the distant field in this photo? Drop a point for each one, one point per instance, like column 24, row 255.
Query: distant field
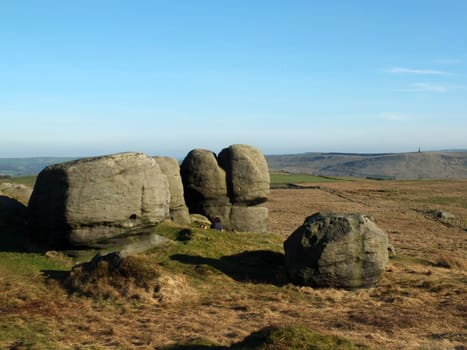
column 282, row 178
column 277, row 179
column 23, row 180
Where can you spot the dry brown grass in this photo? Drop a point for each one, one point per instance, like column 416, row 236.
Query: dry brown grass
column 418, row 304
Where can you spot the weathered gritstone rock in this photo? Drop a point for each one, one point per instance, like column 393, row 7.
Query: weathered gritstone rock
column 249, row 219
column 205, row 185
column 203, row 178
column 215, row 187
column 92, row 201
column 247, row 174
column 336, row 250
column 178, row 209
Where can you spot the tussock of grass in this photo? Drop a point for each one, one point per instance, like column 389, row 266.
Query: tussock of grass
column 133, row 277
column 278, row 338
column 450, row 262
column 292, row 337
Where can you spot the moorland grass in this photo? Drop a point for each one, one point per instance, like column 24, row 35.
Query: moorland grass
column 242, row 271
column 21, row 180
column 282, row 178
column 296, row 337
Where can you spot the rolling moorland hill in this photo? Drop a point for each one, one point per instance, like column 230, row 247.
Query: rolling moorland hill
column 27, row 166
column 415, row 165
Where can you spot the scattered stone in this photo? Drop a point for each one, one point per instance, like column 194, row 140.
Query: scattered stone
column 185, row 235
column 336, row 250
column 200, row 220
column 443, row 215
column 391, row 249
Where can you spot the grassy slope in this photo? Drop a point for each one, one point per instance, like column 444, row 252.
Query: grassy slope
column 225, row 273
column 235, row 285
column 238, row 266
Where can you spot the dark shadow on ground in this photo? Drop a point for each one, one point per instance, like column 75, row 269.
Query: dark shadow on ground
column 257, row 266
column 195, row 347
column 13, row 225
column 59, row 276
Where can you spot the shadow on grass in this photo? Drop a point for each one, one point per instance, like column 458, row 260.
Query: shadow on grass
column 195, row 347
column 57, row 275
column 275, row 337
column 13, row 225
column 257, row 266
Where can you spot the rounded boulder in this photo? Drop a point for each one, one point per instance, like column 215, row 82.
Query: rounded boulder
column 336, row 250
column 247, row 172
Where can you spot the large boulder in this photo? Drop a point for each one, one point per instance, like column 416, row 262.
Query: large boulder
column 178, row 209
column 247, row 174
column 205, row 185
column 336, row 250
column 91, row 201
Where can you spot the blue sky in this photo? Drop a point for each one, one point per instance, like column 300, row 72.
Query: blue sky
column 80, row 78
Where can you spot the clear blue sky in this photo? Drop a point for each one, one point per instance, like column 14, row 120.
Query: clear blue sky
column 80, row 78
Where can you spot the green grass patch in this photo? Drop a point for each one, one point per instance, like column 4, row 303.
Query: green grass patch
column 278, row 338
column 441, row 200
column 21, row 180
column 281, row 178
column 247, row 257
column 410, row 260
column 215, row 244
column 25, row 335
column 293, row 338
column 29, row 264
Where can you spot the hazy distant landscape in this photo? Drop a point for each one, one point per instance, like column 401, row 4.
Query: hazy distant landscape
column 27, row 166
column 413, row 165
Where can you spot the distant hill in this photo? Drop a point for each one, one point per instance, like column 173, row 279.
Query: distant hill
column 416, row 165
column 27, row 166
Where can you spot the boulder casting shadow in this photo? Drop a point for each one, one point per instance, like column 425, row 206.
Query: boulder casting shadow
column 257, row 266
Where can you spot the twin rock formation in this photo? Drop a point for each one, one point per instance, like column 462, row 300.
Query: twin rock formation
column 230, row 186
column 105, row 201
